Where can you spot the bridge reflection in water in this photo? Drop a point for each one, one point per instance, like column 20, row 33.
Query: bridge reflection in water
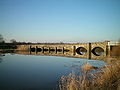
column 97, row 50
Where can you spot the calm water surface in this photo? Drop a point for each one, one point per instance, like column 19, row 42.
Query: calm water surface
column 29, row 72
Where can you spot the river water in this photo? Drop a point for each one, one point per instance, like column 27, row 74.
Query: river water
column 30, row 72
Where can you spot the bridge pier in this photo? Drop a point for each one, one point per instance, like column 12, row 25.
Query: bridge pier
column 36, row 49
column 74, row 50
column 55, row 50
column 63, row 50
column 30, row 49
column 42, row 49
column 89, row 51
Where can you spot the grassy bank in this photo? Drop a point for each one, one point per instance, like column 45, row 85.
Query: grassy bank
column 7, row 50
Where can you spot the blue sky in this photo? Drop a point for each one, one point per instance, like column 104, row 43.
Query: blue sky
column 60, row 20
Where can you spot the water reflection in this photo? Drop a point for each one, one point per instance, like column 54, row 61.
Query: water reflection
column 60, row 52
column 1, row 55
column 81, row 51
column 0, row 59
column 98, row 51
column 38, row 72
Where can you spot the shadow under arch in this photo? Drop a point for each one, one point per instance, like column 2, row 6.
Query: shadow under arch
column 81, row 50
column 39, row 49
column 98, row 51
column 32, row 49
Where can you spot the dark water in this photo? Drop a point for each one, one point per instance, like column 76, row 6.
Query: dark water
column 29, row 72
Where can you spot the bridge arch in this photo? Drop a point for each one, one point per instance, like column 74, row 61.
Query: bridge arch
column 81, row 51
column 98, row 51
column 39, row 49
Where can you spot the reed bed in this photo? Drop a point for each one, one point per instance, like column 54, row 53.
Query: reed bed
column 108, row 78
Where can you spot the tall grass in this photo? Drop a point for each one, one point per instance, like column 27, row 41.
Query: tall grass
column 107, row 77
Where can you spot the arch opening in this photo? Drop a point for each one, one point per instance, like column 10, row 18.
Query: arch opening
column 39, row 49
column 32, row 49
column 52, row 49
column 59, row 50
column 66, row 50
column 81, row 51
column 98, row 51
column 45, row 50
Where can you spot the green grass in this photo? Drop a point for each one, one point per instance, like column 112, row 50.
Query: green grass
column 6, row 49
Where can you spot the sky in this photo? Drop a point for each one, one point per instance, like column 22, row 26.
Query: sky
column 60, row 20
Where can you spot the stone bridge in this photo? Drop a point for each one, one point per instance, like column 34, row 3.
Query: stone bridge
column 95, row 50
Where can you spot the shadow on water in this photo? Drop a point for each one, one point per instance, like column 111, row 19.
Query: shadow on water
column 1, row 55
column 0, row 60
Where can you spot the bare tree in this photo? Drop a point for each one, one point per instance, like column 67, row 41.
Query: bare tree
column 13, row 41
column 1, row 39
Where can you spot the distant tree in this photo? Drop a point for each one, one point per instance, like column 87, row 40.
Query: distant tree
column 1, row 39
column 13, row 41
column 29, row 42
column 61, row 42
column 23, row 42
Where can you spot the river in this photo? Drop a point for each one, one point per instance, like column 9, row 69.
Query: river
column 31, row 72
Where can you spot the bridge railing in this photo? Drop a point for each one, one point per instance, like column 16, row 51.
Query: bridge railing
column 113, row 43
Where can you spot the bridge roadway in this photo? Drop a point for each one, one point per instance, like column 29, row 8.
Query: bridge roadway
column 95, row 50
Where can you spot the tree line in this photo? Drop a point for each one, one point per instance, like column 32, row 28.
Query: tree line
column 14, row 42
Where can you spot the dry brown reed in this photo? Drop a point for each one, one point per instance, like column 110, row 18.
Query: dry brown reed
column 108, row 78
column 87, row 67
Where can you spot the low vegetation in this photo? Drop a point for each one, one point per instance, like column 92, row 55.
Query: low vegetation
column 105, row 78
column 108, row 78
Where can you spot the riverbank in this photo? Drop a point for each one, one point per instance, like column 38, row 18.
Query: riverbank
column 107, row 78
column 6, row 50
